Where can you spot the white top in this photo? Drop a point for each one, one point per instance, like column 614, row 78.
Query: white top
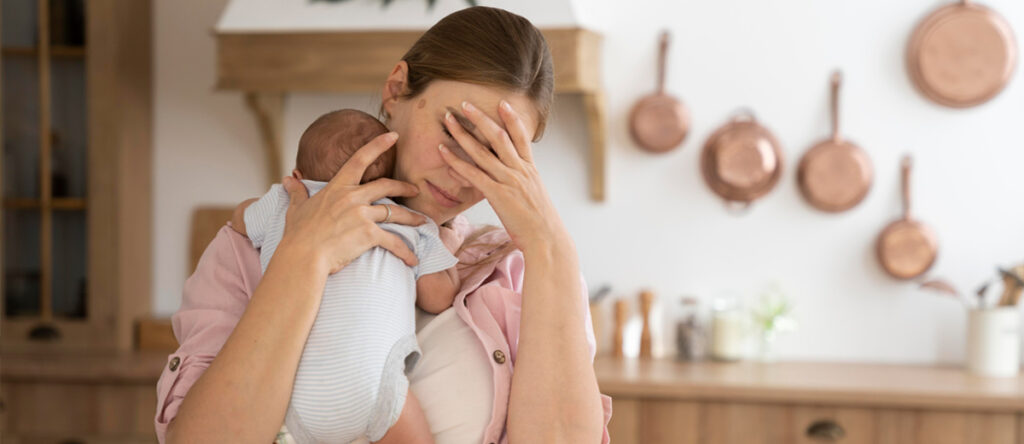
column 452, row 381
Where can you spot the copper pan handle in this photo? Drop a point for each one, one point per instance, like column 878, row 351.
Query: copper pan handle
column 905, row 179
column 837, row 80
column 662, row 60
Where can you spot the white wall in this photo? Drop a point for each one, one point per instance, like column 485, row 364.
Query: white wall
column 660, row 227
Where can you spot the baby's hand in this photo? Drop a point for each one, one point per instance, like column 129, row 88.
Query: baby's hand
column 451, row 238
column 238, row 217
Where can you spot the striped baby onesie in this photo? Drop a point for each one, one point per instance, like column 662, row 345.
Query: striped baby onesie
column 351, row 378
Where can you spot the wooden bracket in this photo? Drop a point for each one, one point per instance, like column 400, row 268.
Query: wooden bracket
column 268, row 108
column 594, row 110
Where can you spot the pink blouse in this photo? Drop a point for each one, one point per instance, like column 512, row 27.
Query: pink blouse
column 215, row 296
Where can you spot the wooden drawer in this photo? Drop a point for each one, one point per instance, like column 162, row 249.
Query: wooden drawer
column 87, row 412
column 709, row 422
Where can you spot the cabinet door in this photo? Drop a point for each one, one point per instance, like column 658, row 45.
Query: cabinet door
column 931, row 427
column 649, row 421
column 749, row 423
column 740, row 423
column 669, row 422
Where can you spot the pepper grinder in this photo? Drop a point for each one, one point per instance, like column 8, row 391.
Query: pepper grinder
column 621, row 316
column 646, row 302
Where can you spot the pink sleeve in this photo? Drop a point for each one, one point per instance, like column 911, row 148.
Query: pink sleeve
column 509, row 278
column 213, row 301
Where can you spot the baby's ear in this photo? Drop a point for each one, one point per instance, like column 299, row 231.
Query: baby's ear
column 297, row 174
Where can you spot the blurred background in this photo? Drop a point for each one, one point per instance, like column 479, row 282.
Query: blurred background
column 131, row 128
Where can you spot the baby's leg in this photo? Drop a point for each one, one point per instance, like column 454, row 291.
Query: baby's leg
column 411, row 427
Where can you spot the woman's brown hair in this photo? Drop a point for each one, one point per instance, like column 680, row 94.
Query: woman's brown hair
column 491, row 47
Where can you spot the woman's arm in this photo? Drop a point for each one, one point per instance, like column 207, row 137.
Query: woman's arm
column 554, row 382
column 243, row 395
column 554, row 395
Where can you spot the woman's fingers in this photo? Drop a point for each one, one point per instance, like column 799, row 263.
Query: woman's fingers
column 480, row 155
column 396, row 214
column 297, row 192
column 353, row 169
column 384, row 187
column 516, row 131
column 391, row 242
column 470, row 172
column 494, row 133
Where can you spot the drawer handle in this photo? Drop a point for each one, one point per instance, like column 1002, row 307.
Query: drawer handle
column 825, row 430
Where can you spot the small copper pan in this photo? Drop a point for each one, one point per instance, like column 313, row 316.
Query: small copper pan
column 835, row 175
column 961, row 55
column 906, row 248
column 742, row 160
column 659, row 122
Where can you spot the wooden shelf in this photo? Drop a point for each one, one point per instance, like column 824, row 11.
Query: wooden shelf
column 268, row 65
column 62, row 203
column 63, row 52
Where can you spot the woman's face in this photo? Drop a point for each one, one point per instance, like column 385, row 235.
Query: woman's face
column 418, row 120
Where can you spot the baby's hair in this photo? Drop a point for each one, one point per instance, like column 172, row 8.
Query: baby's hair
column 333, row 138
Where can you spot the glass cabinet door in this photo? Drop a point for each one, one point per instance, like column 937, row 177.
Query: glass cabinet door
column 45, row 157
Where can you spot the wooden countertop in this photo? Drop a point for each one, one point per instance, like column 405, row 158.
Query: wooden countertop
column 879, row 385
column 138, row 367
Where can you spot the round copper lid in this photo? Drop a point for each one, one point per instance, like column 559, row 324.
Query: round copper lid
column 961, row 55
column 742, row 160
column 835, row 175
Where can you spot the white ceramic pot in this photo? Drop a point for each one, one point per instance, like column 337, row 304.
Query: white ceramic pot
column 993, row 342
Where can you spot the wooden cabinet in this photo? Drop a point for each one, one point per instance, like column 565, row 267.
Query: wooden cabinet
column 76, row 89
column 94, row 398
column 660, row 402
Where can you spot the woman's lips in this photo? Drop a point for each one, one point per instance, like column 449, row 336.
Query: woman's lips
column 443, row 198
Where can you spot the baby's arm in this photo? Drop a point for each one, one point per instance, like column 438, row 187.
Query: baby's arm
column 238, row 217
column 435, row 292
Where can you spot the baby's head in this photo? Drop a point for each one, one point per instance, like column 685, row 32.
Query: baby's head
column 333, row 138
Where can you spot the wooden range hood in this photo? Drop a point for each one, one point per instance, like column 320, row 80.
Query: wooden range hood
column 268, row 64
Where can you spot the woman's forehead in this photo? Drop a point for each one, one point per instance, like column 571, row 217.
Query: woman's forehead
column 441, row 94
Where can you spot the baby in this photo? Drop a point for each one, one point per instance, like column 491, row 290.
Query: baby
column 351, row 379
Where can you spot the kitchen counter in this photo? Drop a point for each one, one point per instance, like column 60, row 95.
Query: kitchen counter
column 850, row 384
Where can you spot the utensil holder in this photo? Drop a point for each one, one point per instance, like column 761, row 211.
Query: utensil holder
column 993, row 342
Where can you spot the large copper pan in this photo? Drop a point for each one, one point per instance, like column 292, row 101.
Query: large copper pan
column 742, row 160
column 961, row 55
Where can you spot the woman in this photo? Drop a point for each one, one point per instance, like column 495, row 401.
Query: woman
column 521, row 299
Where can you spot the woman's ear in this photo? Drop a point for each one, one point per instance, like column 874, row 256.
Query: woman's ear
column 394, row 86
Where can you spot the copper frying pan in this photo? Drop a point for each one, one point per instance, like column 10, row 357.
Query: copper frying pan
column 659, row 122
column 906, row 248
column 742, row 160
column 961, row 55
column 835, row 175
